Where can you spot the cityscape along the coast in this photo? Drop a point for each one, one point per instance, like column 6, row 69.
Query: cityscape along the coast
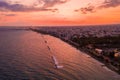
column 59, row 39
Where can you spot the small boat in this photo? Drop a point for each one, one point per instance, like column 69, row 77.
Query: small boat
column 48, row 47
column 59, row 66
column 45, row 41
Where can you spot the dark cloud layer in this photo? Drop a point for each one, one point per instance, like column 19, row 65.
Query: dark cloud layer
column 4, row 6
column 48, row 4
column 110, row 3
column 105, row 4
column 51, row 3
column 85, row 10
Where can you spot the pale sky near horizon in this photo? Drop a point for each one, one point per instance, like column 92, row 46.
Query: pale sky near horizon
column 58, row 12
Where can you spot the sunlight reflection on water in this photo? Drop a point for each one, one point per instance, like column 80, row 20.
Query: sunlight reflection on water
column 24, row 55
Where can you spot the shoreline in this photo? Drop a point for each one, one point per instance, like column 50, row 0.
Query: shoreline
column 75, row 45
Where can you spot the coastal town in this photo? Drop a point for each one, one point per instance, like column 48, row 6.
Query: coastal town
column 100, row 42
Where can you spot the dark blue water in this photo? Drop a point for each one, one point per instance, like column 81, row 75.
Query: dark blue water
column 24, row 55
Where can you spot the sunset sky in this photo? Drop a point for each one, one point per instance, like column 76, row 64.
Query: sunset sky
column 59, row 12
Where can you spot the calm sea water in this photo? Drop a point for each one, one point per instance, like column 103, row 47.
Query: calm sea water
column 26, row 55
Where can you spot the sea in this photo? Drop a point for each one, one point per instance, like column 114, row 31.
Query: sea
column 27, row 55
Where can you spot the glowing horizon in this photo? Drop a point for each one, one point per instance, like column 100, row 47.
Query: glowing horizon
column 59, row 12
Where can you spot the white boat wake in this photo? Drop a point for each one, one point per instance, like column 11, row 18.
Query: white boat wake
column 56, row 62
column 53, row 57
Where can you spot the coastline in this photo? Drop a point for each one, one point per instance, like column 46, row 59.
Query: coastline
column 75, row 45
